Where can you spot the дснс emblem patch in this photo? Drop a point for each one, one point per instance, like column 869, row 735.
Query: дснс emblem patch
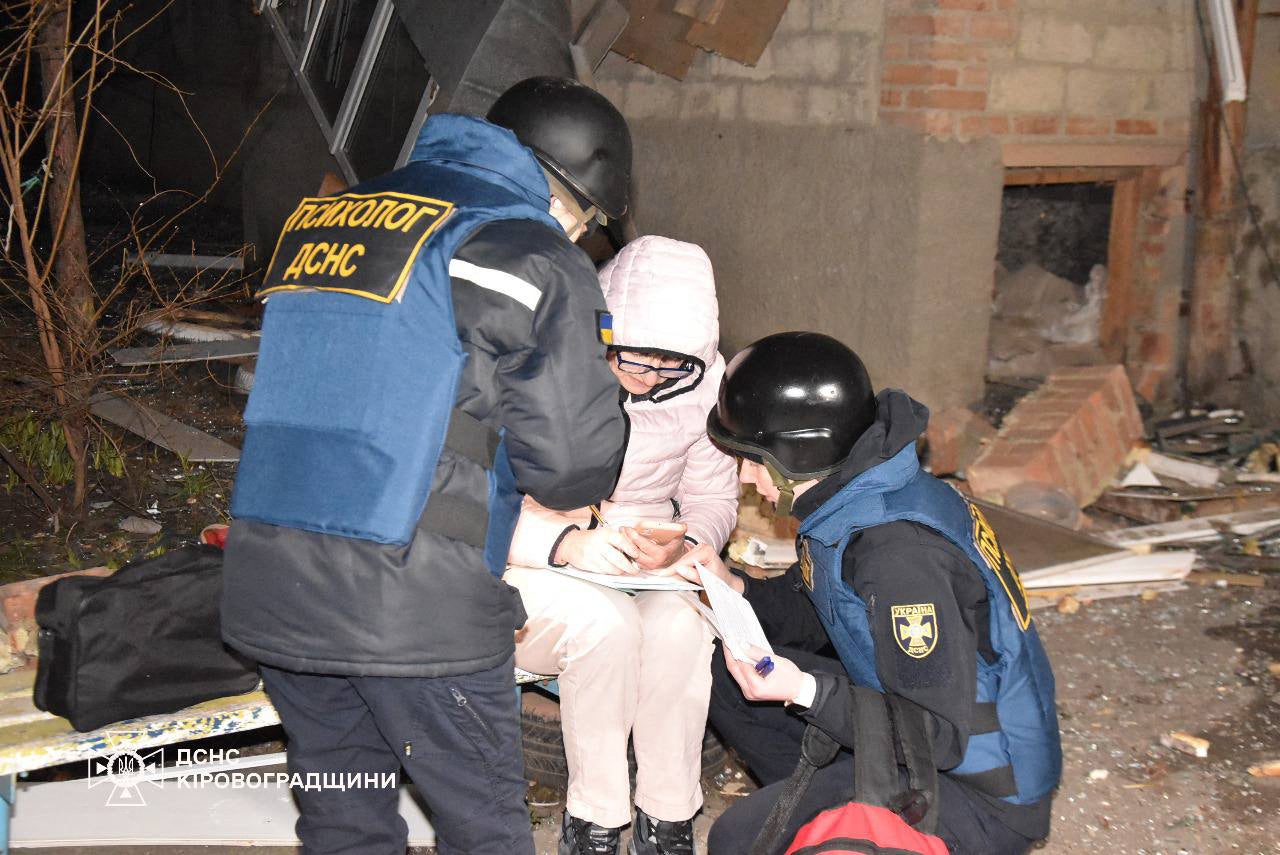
column 915, row 628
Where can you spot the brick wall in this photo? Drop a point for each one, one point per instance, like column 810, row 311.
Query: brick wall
column 1042, row 70
column 1038, row 70
column 820, row 68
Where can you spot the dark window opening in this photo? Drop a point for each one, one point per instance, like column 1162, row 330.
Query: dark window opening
column 332, row 60
column 390, row 103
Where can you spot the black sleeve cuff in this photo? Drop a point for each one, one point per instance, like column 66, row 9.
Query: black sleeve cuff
column 555, row 547
column 832, row 709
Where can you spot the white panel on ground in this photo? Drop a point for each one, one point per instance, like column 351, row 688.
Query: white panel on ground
column 72, row 813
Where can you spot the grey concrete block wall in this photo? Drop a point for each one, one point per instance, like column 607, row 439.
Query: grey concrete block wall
column 879, row 237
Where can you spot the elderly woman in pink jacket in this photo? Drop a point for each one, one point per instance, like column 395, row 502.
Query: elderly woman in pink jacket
column 637, row 665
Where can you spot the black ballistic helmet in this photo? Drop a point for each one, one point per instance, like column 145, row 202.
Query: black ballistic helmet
column 576, row 133
column 797, row 401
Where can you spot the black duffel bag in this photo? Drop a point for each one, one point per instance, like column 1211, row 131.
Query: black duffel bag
column 145, row 640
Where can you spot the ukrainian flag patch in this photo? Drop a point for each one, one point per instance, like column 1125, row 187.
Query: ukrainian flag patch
column 604, row 324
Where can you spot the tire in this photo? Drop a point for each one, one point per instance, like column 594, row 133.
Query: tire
column 543, row 743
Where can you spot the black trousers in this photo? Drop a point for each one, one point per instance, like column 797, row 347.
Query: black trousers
column 458, row 738
column 767, row 737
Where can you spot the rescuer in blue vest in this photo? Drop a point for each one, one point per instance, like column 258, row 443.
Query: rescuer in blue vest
column 433, row 347
column 901, row 587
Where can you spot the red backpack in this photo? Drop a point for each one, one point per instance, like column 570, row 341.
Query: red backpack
column 883, row 818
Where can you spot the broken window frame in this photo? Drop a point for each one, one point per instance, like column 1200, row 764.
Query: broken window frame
column 338, row 132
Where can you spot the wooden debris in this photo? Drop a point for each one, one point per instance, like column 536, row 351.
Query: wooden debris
column 195, row 262
column 1270, row 769
column 170, row 434
column 1068, row 605
column 186, row 331
column 1187, row 471
column 1273, row 669
column 216, row 317
column 1186, row 743
column 1194, row 530
column 1205, row 577
column 1045, row 598
column 1141, row 476
column 1035, row 543
column 200, row 351
column 1124, row 568
column 655, row 36
column 706, row 11
column 741, row 31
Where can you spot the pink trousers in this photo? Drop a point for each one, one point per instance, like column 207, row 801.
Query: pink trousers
column 637, row 666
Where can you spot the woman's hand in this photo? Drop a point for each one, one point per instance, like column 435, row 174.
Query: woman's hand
column 710, row 560
column 654, row 555
column 599, row 550
column 783, row 683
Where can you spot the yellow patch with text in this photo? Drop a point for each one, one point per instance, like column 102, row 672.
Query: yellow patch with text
column 984, row 538
column 806, row 564
column 363, row 244
column 915, row 628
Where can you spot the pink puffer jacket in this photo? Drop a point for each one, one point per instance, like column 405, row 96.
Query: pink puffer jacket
column 662, row 295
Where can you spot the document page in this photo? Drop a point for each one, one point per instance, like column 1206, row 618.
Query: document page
column 734, row 618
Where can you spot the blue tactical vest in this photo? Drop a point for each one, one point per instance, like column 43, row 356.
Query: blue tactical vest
column 358, row 370
column 1024, row 741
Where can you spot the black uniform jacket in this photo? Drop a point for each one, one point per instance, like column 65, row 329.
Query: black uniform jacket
column 897, row 563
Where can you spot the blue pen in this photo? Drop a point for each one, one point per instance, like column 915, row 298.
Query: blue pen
column 764, row 667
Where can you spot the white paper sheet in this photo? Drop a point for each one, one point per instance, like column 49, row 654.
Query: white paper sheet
column 735, row 620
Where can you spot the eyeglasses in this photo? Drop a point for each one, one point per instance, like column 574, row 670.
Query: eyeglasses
column 627, row 366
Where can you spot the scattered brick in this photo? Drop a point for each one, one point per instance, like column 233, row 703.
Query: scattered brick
column 1073, row 432
column 18, row 599
column 954, row 438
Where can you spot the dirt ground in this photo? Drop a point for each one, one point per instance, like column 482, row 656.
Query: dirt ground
column 1128, row 671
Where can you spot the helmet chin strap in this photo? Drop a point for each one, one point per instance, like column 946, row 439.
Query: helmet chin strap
column 786, row 489
column 560, row 191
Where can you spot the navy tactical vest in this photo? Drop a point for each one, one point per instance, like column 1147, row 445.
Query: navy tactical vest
column 1019, row 756
column 358, row 370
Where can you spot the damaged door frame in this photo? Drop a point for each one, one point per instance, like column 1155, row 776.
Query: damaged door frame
column 1121, row 239
column 1134, row 170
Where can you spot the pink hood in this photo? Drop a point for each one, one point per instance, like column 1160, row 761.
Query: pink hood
column 661, row 293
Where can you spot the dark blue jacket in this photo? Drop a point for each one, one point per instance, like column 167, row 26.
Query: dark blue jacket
column 1013, row 750
column 430, row 350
